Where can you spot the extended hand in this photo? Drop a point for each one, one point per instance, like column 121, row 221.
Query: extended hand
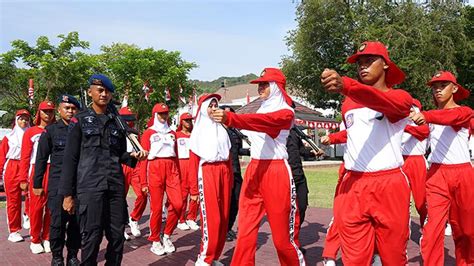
column 419, row 119
column 68, row 204
column 325, row 140
column 219, row 116
column 145, row 189
column 331, row 81
column 24, row 186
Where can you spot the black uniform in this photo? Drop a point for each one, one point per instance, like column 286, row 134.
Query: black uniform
column 296, row 149
column 235, row 150
column 52, row 143
column 92, row 171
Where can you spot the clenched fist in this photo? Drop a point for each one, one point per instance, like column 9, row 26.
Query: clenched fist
column 332, row 81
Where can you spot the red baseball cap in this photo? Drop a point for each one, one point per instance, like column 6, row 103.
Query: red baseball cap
column 394, row 74
column 206, row 96
column 461, row 94
column 160, row 108
column 22, row 112
column 271, row 74
column 125, row 111
column 46, row 105
column 185, row 116
column 417, row 103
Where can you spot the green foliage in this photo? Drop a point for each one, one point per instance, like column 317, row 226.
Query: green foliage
column 421, row 39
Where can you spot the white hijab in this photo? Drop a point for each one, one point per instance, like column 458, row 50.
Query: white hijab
column 15, row 138
column 209, row 140
column 275, row 101
column 159, row 127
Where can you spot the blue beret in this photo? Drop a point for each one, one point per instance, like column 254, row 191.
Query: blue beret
column 66, row 98
column 103, row 80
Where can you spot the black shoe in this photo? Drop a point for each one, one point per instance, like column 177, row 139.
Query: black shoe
column 57, row 261
column 73, row 261
column 303, row 250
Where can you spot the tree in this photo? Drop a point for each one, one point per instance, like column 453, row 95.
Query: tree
column 421, row 39
column 131, row 67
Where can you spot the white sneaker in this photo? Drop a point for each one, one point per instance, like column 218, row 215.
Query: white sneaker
column 377, row 261
column 192, row 224
column 126, row 236
column 26, row 222
column 448, row 231
column 168, row 245
column 200, row 262
column 47, row 246
column 36, row 248
column 15, row 237
column 183, row 226
column 217, row 263
column 329, row 262
column 134, row 227
column 157, row 248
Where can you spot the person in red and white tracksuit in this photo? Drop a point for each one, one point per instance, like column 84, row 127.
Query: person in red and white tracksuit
column 268, row 186
column 132, row 178
column 332, row 243
column 39, row 213
column 414, row 143
column 450, row 178
column 211, row 176
column 160, row 174
column 10, row 151
column 372, row 206
column 183, row 133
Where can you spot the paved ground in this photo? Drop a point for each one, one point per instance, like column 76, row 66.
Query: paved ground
column 137, row 252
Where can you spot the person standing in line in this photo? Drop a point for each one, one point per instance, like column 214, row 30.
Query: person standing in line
column 64, row 228
column 211, row 178
column 92, row 180
column 451, row 176
column 183, row 133
column 159, row 173
column 132, row 178
column 236, row 151
column 10, row 152
column 39, row 212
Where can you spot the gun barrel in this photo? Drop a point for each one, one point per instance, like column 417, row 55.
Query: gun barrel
column 309, row 140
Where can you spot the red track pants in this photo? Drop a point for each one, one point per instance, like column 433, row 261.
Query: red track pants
column 372, row 210
column 415, row 169
column 268, row 187
column 163, row 176
column 185, row 186
column 215, row 187
column 13, row 193
column 40, row 218
column 332, row 243
column 449, row 195
column 132, row 178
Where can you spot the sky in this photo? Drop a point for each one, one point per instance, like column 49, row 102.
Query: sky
column 224, row 38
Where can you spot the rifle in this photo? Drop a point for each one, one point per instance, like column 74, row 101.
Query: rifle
column 311, row 143
column 130, row 133
column 241, row 135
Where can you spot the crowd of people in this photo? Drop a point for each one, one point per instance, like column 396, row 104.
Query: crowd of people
column 75, row 172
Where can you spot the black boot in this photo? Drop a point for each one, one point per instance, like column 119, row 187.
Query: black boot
column 72, row 259
column 57, row 261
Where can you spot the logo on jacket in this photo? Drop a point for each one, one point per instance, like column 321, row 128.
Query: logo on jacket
column 349, row 120
column 89, row 119
column 182, row 142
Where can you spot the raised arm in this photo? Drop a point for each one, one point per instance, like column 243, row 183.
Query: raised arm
column 269, row 123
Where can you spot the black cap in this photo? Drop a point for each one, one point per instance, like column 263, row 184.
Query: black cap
column 103, row 80
column 66, row 98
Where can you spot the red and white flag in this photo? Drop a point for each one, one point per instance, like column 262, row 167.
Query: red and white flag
column 147, row 90
column 167, row 94
column 181, row 97
column 31, row 92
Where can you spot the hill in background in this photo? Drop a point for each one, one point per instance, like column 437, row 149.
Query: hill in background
column 212, row 86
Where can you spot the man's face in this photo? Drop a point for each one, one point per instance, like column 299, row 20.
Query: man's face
column 23, row 121
column 47, row 115
column 100, row 95
column 443, row 90
column 371, row 68
column 67, row 110
column 162, row 117
column 264, row 90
